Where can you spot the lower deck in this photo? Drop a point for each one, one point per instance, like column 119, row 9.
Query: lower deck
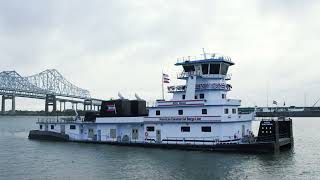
column 202, row 133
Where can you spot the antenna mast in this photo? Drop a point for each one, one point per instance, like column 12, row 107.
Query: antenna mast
column 204, row 54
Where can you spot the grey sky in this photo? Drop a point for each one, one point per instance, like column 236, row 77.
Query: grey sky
column 111, row 46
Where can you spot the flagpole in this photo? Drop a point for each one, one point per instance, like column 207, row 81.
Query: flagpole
column 162, row 87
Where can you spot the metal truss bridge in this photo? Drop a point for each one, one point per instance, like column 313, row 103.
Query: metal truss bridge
column 49, row 85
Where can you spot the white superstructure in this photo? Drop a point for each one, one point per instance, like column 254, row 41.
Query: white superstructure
column 199, row 112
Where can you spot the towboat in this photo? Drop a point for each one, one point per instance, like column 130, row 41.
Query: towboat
column 199, row 116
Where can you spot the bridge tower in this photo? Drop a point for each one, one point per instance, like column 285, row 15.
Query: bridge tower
column 13, row 101
column 51, row 101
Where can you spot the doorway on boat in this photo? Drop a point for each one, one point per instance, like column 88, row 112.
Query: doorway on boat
column 158, row 132
column 91, row 134
column 135, row 134
column 99, row 135
column 243, row 130
column 62, row 129
column 113, row 134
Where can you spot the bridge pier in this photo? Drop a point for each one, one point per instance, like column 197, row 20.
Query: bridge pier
column 13, row 103
column 51, row 101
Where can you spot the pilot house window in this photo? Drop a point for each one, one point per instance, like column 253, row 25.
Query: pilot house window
column 214, row 68
column 188, row 68
column 205, row 68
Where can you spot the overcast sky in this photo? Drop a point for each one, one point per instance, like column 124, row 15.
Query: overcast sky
column 122, row 46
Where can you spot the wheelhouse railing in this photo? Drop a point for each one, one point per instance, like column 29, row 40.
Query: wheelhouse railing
column 206, row 56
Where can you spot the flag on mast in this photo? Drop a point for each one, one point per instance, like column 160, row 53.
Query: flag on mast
column 165, row 78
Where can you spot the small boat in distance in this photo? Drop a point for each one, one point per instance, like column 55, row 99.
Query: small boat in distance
column 199, row 116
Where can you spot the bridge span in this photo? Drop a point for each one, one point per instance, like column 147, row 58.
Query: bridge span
column 48, row 85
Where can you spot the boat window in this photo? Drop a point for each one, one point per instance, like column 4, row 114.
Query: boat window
column 214, row 68
column 185, row 129
column 183, row 96
column 158, row 112
column 224, row 69
column 204, row 68
column 52, row 127
column 40, row 126
column 189, row 68
column 234, row 111
column 72, row 126
column 180, row 112
column 223, row 96
column 195, row 97
column 226, row 111
column 204, row 111
column 206, row 128
column 201, row 96
column 150, row 128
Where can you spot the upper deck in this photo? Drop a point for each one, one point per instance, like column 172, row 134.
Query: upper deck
column 205, row 59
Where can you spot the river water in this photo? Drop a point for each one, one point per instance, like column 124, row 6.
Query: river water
column 21, row 158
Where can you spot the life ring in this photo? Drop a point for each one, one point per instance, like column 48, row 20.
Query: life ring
column 146, row 134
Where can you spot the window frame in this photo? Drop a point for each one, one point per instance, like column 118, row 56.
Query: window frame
column 234, row 111
column 206, row 129
column 150, row 130
column 204, row 111
column 180, row 112
column 185, row 128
